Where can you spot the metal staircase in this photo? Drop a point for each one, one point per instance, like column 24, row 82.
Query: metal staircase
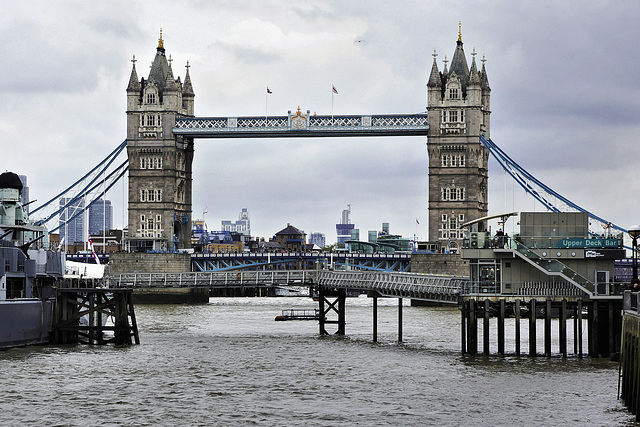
column 553, row 267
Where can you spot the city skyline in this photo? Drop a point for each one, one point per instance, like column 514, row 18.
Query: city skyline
column 564, row 102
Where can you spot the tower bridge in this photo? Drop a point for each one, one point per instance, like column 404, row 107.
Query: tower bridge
column 162, row 127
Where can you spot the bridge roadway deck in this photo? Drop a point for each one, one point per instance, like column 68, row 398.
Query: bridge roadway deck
column 301, row 125
column 426, row 287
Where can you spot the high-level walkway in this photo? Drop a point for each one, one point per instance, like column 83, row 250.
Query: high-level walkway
column 300, row 125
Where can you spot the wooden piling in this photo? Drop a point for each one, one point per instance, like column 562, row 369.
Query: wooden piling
column 463, row 326
column 532, row 327
column 593, row 326
column 562, row 329
column 485, row 327
column 501, row 327
column 472, row 330
column 517, row 314
column 579, row 338
column 375, row 319
column 399, row 319
column 547, row 328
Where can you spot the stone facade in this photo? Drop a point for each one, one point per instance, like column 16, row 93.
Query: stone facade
column 122, row 262
column 159, row 162
column 458, row 110
column 447, row 264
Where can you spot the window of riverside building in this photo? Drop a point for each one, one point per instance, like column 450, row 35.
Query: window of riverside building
column 151, row 98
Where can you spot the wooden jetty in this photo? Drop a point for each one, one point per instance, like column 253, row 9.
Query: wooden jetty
column 94, row 316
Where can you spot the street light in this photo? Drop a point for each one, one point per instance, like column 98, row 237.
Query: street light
column 634, row 232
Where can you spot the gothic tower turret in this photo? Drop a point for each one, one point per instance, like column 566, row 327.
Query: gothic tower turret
column 458, row 111
column 159, row 162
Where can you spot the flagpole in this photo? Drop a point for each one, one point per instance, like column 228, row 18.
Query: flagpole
column 266, row 106
column 332, row 104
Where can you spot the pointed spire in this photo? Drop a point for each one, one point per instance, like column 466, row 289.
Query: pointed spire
column 474, row 77
column 187, row 89
column 459, row 64
column 170, row 81
column 484, row 81
column 445, row 71
column 434, row 78
column 134, row 84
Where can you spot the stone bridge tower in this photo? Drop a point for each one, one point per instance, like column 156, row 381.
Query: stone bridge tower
column 458, row 110
column 159, row 162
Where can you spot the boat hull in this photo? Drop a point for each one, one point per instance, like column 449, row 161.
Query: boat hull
column 25, row 321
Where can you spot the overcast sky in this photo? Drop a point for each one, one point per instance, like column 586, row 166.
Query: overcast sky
column 565, row 99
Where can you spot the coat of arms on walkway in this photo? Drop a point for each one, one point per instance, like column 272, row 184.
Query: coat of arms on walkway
column 298, row 120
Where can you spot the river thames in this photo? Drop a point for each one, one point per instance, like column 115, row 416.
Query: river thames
column 229, row 363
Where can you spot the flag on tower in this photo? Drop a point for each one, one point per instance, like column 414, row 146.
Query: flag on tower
column 95, row 255
column 268, row 90
column 334, row 89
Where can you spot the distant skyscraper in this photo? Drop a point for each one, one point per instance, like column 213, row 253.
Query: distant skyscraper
column 72, row 231
column 100, row 217
column 242, row 225
column 318, row 239
column 24, row 195
column 344, row 228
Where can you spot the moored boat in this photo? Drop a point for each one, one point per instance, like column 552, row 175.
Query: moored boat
column 28, row 272
column 298, row 314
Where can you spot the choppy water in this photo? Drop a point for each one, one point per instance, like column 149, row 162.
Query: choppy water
column 229, row 363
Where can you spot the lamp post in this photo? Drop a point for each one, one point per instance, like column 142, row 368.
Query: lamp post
column 634, row 232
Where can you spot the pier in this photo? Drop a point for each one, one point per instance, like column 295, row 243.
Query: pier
column 94, row 316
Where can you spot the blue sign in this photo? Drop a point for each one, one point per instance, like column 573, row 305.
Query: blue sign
column 588, row 243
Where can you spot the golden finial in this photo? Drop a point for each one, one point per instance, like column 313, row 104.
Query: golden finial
column 459, row 31
column 160, row 41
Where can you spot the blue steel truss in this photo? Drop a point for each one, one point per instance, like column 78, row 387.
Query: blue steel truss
column 255, row 261
column 299, row 125
column 537, row 188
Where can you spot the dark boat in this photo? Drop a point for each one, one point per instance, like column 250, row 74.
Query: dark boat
column 298, row 314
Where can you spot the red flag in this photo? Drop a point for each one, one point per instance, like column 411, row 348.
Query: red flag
column 334, row 89
column 268, row 91
column 95, row 255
